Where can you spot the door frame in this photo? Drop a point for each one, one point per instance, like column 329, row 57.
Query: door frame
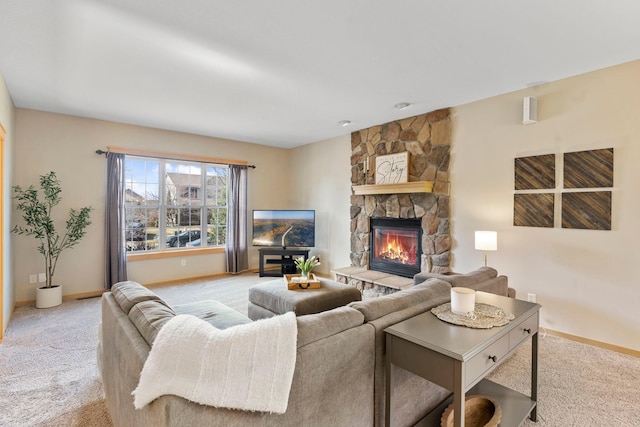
column 3, row 132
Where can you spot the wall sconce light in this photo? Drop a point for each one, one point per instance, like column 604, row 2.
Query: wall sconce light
column 529, row 110
column 486, row 241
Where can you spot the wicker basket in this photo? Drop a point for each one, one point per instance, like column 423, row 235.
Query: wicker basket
column 479, row 411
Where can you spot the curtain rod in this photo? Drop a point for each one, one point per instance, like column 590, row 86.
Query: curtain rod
column 174, row 156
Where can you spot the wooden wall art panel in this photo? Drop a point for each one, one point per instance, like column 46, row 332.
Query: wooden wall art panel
column 535, row 172
column 589, row 169
column 587, row 210
column 533, row 210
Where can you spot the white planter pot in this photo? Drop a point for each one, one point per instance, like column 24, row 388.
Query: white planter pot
column 49, row 297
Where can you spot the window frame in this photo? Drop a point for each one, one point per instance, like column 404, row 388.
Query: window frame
column 202, row 205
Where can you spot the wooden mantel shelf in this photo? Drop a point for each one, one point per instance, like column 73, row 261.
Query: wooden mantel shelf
column 405, row 187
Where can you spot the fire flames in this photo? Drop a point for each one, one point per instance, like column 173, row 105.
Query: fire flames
column 391, row 249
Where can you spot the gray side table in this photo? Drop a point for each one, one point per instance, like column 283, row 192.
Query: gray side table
column 459, row 358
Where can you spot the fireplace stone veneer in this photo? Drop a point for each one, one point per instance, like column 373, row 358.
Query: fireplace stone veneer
column 427, row 139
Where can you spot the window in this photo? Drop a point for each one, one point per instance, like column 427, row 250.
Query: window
column 171, row 204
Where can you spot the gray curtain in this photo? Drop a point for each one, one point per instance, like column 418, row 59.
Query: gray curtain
column 237, row 251
column 116, row 255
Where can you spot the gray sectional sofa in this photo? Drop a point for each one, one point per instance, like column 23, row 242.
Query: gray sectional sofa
column 339, row 377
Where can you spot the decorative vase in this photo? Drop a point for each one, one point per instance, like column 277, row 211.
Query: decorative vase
column 304, row 275
column 48, row 297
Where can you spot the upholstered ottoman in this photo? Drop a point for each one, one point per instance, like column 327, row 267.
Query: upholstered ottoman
column 271, row 298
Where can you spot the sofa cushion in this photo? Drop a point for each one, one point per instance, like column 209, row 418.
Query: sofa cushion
column 129, row 293
column 377, row 307
column 213, row 312
column 149, row 317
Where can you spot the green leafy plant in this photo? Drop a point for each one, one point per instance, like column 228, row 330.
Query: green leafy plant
column 306, row 266
column 37, row 215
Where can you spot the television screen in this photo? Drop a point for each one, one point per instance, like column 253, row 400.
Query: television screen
column 282, row 228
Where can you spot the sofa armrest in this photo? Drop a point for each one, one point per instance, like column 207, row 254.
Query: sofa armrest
column 497, row 285
column 478, row 275
column 130, row 293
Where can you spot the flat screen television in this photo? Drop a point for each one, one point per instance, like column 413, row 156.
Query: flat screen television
column 284, row 228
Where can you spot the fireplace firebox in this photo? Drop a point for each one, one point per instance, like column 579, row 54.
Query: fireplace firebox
column 395, row 246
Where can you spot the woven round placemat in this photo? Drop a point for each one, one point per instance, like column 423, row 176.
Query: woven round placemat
column 484, row 316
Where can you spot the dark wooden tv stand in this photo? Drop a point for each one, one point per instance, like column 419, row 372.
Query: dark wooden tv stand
column 282, row 257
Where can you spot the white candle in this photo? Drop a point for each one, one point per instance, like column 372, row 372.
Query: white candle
column 463, row 300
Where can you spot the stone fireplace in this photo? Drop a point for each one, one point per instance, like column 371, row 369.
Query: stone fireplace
column 427, row 140
column 396, row 246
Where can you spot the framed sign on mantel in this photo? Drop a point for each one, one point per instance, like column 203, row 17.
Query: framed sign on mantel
column 392, row 168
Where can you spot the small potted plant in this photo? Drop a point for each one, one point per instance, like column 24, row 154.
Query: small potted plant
column 306, row 266
column 39, row 223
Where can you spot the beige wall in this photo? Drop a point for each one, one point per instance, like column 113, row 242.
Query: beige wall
column 67, row 145
column 586, row 281
column 320, row 174
column 7, row 118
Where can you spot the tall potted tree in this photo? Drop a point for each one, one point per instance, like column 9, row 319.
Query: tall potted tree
column 39, row 223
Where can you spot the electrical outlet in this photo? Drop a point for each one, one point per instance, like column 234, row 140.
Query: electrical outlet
column 183, row 262
column 33, row 278
column 531, row 297
column 42, row 277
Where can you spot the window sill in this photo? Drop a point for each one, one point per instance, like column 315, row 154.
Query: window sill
column 174, row 253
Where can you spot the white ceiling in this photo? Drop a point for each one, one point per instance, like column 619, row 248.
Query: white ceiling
column 285, row 72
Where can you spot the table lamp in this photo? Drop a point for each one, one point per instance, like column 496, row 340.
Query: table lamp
column 486, row 241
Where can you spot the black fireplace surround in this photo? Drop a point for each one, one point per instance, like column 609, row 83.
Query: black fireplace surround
column 395, row 246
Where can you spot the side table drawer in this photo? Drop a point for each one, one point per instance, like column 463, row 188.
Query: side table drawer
column 524, row 330
column 480, row 363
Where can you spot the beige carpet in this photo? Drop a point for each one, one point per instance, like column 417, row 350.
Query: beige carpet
column 578, row 385
column 48, row 374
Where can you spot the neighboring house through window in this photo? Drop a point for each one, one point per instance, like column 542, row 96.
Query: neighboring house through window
column 171, row 204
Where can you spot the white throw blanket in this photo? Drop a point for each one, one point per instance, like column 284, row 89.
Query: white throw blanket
column 247, row 367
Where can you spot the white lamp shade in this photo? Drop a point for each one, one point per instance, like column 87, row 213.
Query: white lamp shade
column 487, row 240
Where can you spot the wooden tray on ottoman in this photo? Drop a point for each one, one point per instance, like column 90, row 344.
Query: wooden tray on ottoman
column 294, row 282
